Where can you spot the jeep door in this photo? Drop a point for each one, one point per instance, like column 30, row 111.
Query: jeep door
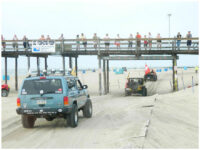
column 81, row 92
column 73, row 92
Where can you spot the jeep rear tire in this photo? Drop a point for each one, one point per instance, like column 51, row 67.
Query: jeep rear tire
column 4, row 93
column 87, row 109
column 49, row 119
column 28, row 121
column 72, row 118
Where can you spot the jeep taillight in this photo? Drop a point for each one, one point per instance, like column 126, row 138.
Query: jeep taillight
column 18, row 102
column 66, row 101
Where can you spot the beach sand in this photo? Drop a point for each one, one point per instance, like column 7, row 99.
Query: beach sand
column 161, row 120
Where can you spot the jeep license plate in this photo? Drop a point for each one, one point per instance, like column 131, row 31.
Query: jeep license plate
column 41, row 102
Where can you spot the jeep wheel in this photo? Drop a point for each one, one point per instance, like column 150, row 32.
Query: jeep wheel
column 72, row 118
column 87, row 109
column 4, row 93
column 28, row 121
column 144, row 91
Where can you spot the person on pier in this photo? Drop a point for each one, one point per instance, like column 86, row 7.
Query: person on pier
column 145, row 42
column 95, row 40
column 178, row 40
column 130, row 41
column 77, row 42
column 25, row 42
column 117, row 42
column 3, row 43
column 189, row 41
column 159, row 41
column 107, row 42
column 84, row 40
column 15, row 44
column 42, row 38
column 150, row 40
column 138, row 40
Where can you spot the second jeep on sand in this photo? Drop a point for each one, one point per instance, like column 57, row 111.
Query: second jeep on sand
column 51, row 97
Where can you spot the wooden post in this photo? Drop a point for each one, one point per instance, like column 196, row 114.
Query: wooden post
column 28, row 59
column 45, row 63
column 6, row 71
column 63, row 65
column 107, row 77
column 99, row 75
column 76, row 66
column 70, row 62
column 38, row 65
column 104, row 76
column 16, row 77
column 175, row 77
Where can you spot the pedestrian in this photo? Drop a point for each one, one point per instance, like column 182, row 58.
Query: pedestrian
column 145, row 42
column 107, row 42
column 130, row 41
column 15, row 40
column 117, row 42
column 178, row 40
column 25, row 42
column 3, row 43
column 48, row 38
column 61, row 37
column 84, row 40
column 77, row 42
column 150, row 41
column 159, row 41
column 138, row 39
column 95, row 40
column 42, row 38
column 189, row 41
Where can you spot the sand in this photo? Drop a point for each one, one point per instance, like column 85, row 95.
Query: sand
column 160, row 120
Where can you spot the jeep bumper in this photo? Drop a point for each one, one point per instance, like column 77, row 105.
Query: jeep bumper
column 44, row 111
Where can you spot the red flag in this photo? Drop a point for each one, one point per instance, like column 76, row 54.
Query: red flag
column 147, row 70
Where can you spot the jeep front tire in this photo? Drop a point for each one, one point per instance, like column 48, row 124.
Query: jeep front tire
column 72, row 118
column 87, row 109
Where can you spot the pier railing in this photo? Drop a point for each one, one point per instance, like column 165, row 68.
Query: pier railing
column 66, row 45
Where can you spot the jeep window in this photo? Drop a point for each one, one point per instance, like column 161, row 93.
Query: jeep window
column 47, row 85
column 71, row 84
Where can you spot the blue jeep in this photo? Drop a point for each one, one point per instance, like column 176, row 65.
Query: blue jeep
column 50, row 97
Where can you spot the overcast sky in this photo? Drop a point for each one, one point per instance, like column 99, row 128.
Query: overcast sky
column 53, row 17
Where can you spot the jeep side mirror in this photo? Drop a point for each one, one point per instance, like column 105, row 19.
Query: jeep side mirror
column 85, row 86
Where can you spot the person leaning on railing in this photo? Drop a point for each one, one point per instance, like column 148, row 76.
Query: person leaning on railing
column 159, row 41
column 178, row 40
column 150, row 41
column 25, row 42
column 189, row 42
column 95, row 40
column 77, row 42
column 130, row 41
column 84, row 40
column 138, row 40
column 117, row 42
column 15, row 44
column 145, row 42
column 107, row 42
column 3, row 43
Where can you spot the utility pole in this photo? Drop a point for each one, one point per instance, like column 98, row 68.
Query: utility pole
column 169, row 15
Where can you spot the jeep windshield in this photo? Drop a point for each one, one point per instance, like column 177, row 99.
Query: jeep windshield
column 42, row 86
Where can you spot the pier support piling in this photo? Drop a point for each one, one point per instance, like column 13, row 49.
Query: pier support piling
column 99, row 58
column 175, row 77
column 63, row 65
column 76, row 66
column 29, row 64
column 70, row 62
column 104, row 76
column 6, row 70
column 45, row 63
column 16, row 74
column 38, row 66
column 107, row 71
